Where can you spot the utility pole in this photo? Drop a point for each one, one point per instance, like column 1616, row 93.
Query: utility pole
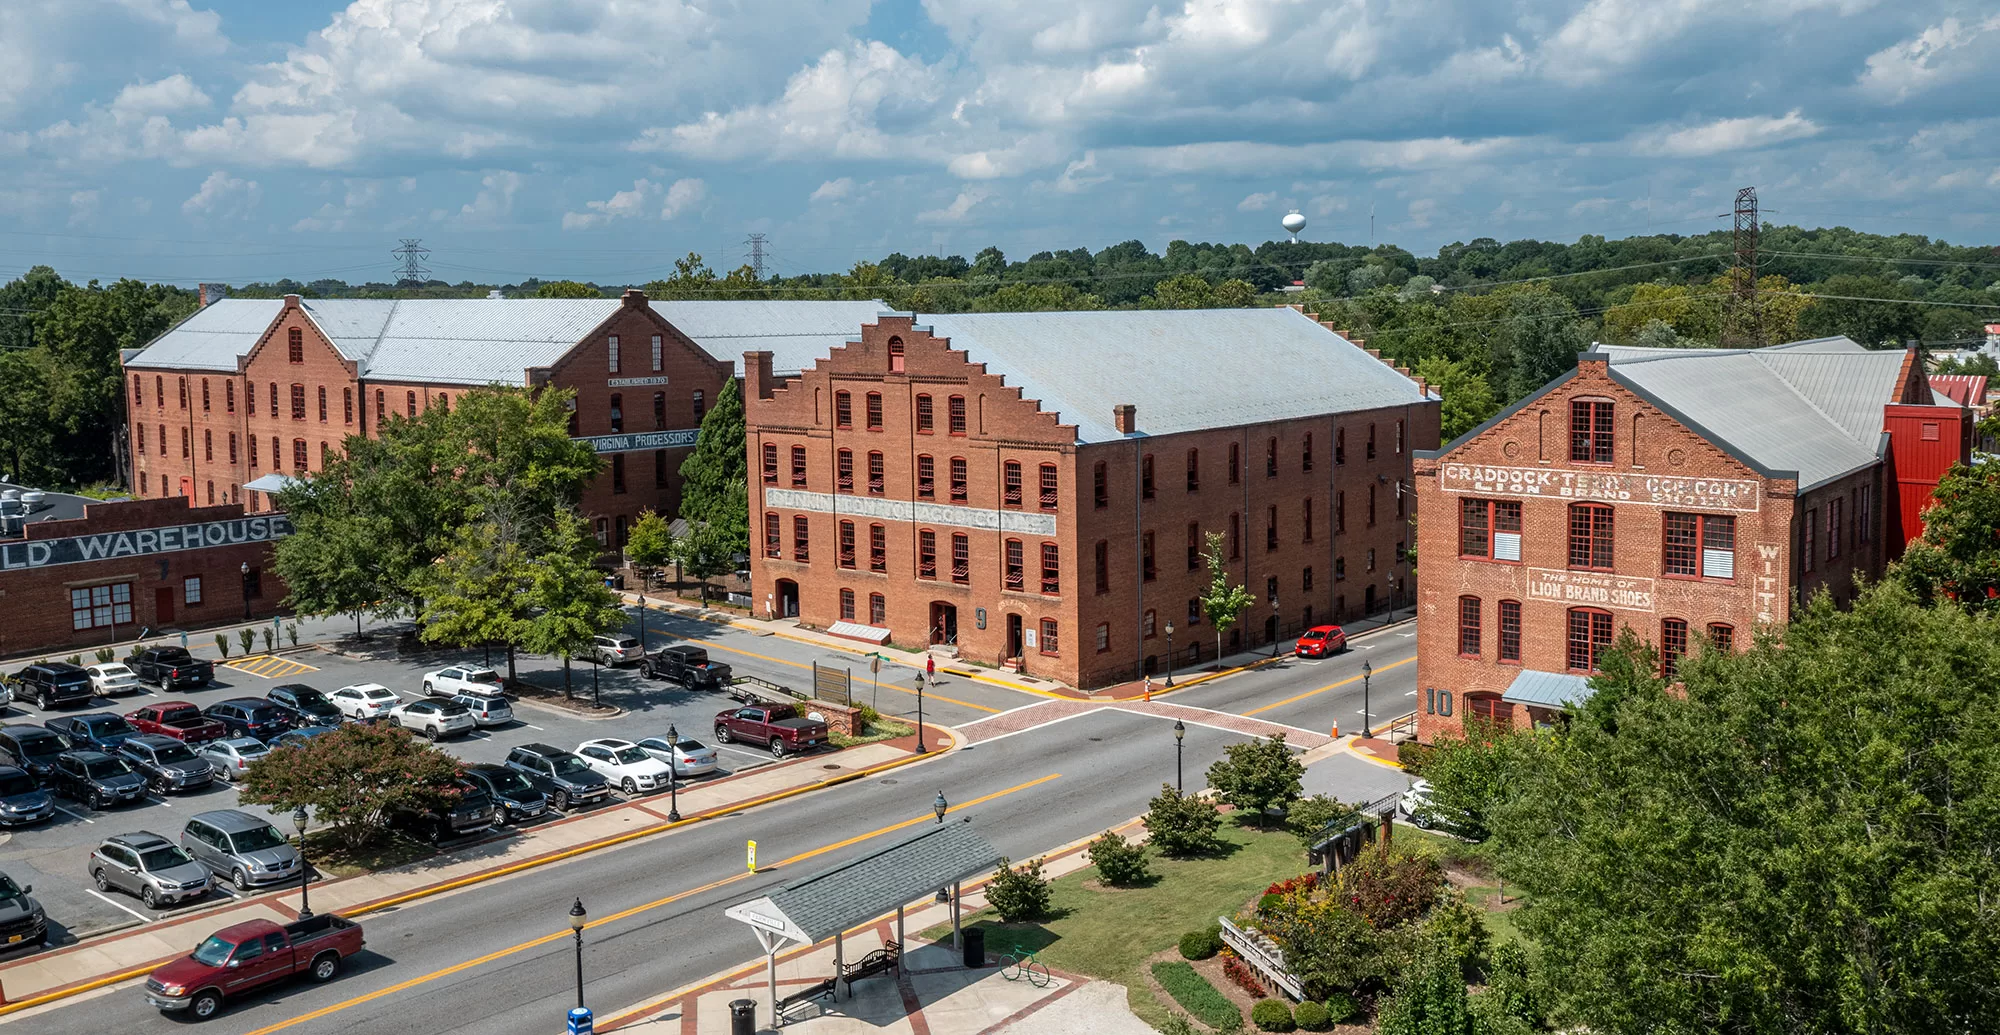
column 756, row 243
column 410, row 261
column 1743, row 323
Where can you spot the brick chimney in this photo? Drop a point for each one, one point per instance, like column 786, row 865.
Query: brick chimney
column 633, row 298
column 758, row 380
column 291, row 301
column 1125, row 417
column 212, row 293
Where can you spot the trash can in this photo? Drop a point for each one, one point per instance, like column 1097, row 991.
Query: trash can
column 620, row 579
column 975, row 946
column 742, row 1017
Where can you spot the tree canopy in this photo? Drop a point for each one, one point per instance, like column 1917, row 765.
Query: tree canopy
column 1958, row 557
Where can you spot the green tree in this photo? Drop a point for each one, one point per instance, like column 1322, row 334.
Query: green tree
column 1978, row 364
column 717, row 461
column 1223, row 602
column 1468, row 399
column 1235, row 294
column 1431, row 999
column 1182, row 824
column 691, row 279
column 1871, row 310
column 711, row 548
column 480, row 592
column 1537, row 341
column 27, row 436
column 1185, row 291
column 567, row 289
column 352, row 778
column 1471, row 777
column 1019, row 893
column 1258, row 776
column 651, row 542
column 79, row 335
column 1958, row 556
column 567, row 600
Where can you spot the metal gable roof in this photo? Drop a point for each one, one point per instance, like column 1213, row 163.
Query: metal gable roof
column 1185, row 369
column 796, row 333
column 474, row 340
column 1563, row 690
column 821, row 905
column 212, row 337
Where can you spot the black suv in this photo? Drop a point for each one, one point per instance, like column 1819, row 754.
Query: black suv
column 97, row 779
column 562, row 776
column 516, row 799
column 250, row 717
column 51, row 683
column 306, row 705
column 21, row 800
column 32, row 748
column 470, row 811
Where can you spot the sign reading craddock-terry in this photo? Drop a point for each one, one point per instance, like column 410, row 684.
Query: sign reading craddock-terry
column 143, row 542
column 1590, row 589
column 1649, row 490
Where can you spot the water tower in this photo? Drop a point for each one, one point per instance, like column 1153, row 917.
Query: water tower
column 1293, row 223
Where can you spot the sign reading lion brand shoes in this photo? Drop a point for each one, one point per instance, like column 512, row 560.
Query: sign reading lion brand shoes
column 143, row 542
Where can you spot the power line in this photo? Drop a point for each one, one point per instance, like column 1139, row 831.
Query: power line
column 410, row 256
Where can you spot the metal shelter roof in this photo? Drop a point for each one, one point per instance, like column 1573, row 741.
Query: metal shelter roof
column 1562, row 690
column 814, row 908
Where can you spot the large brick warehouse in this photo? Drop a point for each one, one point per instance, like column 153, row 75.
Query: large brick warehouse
column 1693, row 495
column 1034, row 489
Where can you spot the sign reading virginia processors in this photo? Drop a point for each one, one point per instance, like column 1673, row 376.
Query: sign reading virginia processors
column 143, row 542
column 637, row 440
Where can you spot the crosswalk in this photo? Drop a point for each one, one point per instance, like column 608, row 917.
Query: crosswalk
column 270, row 666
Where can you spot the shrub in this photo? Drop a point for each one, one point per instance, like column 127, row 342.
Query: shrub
column 1312, row 1017
column 1272, row 1015
column 1177, row 1024
column 222, row 643
column 268, row 638
column 1309, row 816
column 248, row 638
column 1199, row 998
column 1269, row 901
column 1019, row 893
column 1245, row 978
column 1431, row 1000
column 105, row 655
column 867, row 716
column 1200, row 945
column 292, row 632
column 1340, row 1007
column 1388, row 890
column 1302, row 882
column 75, row 659
column 1259, row 775
column 1511, row 985
column 1182, row 824
column 1459, row 932
column 353, row 777
column 1120, row 862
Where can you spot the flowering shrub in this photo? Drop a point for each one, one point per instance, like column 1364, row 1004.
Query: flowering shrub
column 1304, row 882
column 1389, row 890
column 1244, row 977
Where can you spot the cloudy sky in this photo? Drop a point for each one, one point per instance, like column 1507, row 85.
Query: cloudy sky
column 250, row 139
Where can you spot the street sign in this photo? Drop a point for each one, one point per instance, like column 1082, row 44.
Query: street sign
column 875, row 664
column 580, row 1021
column 753, row 857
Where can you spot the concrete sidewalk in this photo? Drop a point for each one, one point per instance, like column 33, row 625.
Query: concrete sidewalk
column 48, row 976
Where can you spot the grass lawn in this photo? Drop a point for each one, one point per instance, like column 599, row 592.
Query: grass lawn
column 882, row 729
column 334, row 859
column 1110, row 932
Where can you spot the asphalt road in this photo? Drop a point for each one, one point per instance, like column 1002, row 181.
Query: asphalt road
column 1315, row 693
column 497, row 958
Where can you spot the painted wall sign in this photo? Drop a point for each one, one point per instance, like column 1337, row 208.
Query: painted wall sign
column 1022, row 522
column 143, row 542
column 1767, row 581
column 1590, row 589
column 635, row 382
column 637, row 440
column 1649, row 490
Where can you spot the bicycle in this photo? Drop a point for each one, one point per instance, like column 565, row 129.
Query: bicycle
column 1016, row 963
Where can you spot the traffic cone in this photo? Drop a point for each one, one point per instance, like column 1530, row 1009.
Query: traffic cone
column 1336, row 729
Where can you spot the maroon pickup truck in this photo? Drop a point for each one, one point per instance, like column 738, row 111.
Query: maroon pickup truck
column 249, row 955
column 776, row 726
column 179, row 720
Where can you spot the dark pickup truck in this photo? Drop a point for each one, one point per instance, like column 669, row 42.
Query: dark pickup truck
column 776, row 726
column 688, row 666
column 170, row 668
column 249, row 955
column 179, row 720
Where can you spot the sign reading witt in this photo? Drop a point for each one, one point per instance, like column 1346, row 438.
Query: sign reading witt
column 143, row 542
column 1590, row 589
column 637, row 440
column 1649, row 490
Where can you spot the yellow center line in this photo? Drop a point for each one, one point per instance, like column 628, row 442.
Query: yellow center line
column 403, row 986
column 710, row 645
column 1330, row 686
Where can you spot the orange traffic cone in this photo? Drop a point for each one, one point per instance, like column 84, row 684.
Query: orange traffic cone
column 1336, row 730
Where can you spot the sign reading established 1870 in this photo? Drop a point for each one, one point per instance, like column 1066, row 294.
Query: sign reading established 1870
column 143, row 542
column 1649, row 490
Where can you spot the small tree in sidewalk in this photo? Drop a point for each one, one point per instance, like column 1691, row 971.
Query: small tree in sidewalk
column 352, row 777
column 1181, row 824
column 1222, row 603
column 1259, row 775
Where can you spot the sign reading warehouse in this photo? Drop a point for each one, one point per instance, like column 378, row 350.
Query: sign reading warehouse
column 143, row 542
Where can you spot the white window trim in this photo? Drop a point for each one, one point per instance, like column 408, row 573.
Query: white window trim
column 613, row 353
column 191, row 590
column 656, row 352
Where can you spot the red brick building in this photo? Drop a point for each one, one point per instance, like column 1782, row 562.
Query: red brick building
column 248, row 388
column 1693, row 495
column 1035, row 488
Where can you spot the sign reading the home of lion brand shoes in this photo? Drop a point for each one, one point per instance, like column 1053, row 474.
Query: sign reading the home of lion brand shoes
column 1590, row 589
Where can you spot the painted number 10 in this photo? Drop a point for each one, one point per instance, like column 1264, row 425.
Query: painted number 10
column 1437, row 702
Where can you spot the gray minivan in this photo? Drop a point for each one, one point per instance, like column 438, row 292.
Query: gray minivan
column 245, row 848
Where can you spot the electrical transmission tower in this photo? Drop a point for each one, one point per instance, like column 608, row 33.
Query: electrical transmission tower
column 1743, row 324
column 410, row 261
column 756, row 243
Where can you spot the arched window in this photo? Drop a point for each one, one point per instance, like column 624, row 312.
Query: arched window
column 878, row 548
column 410, row 404
column 1051, row 568
column 160, row 391
column 347, row 406
column 700, row 405
column 322, row 404
column 229, row 396
column 843, row 471
column 798, row 467
column 381, row 406
column 875, row 476
column 184, row 399
column 444, row 404
column 846, row 605
column 956, row 414
column 1589, row 635
column 958, row 479
column 139, row 391
column 204, row 395
column 141, row 429
column 878, row 610
column 1012, row 572
column 895, row 354
column 1146, row 476
column 1048, row 644
column 845, row 558
column 770, row 463
column 772, row 544
column 207, row 446
column 1723, row 636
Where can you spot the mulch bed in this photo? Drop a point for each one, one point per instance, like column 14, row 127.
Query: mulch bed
column 579, row 705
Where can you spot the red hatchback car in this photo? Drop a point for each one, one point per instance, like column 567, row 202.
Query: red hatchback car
column 1321, row 641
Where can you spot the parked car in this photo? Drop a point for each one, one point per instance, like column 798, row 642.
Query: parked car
column 364, row 702
column 231, row 757
column 1418, row 804
column 250, row 955
column 51, row 683
column 305, row 705
column 294, row 738
column 169, row 764
column 103, row 731
column 434, row 719
column 687, row 665
column 177, row 719
column 688, row 756
column 627, row 765
column 113, row 680
column 245, row 848
column 250, row 717
column 22, row 919
column 563, row 777
column 171, row 668
column 144, row 864
column 1321, row 641
column 776, row 726
column 488, row 709
column 456, row 679
column 22, row 800
column 469, row 812
column 33, row 748
column 97, row 779
column 615, row 650
column 515, row 798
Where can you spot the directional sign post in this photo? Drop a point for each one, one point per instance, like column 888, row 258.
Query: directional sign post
column 875, row 669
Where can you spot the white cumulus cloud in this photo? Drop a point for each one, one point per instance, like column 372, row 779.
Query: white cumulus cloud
column 1257, row 202
column 175, row 93
column 1941, row 54
column 956, row 212
column 1722, row 135
column 833, row 190
column 223, row 196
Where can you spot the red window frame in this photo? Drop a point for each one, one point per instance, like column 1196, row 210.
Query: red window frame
column 843, row 471
column 1051, row 569
column 770, row 463
column 1479, row 519
column 801, row 539
column 798, row 466
column 1589, row 633
column 958, row 479
column 1687, row 537
column 1592, row 542
column 926, row 554
column 875, row 483
column 961, row 558
column 924, row 415
column 843, row 409
column 896, row 355
column 773, row 544
column 845, row 557
column 1673, row 645
column 955, row 415
column 878, row 610
column 1010, row 485
column 1722, row 635
column 874, row 411
column 1051, row 489
column 1048, row 643
column 1468, row 627
column 878, row 548
column 1014, row 566
column 1510, row 632
column 926, row 476
column 1590, row 427
column 846, row 604
column 295, row 345
column 298, row 402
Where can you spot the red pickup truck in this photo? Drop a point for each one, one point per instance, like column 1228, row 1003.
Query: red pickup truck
column 249, row 955
column 776, row 726
column 179, row 720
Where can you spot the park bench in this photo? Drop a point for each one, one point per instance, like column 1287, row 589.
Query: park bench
column 880, row 961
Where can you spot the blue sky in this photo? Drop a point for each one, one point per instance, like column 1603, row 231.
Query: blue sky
column 236, row 140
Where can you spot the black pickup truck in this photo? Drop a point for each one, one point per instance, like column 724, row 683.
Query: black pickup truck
column 688, row 666
column 170, row 668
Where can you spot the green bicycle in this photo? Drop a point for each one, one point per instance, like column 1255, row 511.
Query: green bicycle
column 1017, row 963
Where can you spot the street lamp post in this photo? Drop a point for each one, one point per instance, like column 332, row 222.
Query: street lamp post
column 305, row 868
column 939, row 806
column 921, row 680
column 1180, row 734
column 1170, row 652
column 673, row 774
column 594, row 702
column 244, row 569
column 576, row 919
column 1274, row 625
column 1367, row 670
column 642, row 623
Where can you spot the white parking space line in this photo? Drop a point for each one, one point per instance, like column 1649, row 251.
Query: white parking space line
column 532, row 726
column 143, row 918
column 225, row 889
column 743, row 751
column 74, row 815
column 1406, row 635
column 159, row 800
column 1409, row 693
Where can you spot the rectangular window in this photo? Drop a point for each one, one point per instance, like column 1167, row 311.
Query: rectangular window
column 1103, row 565
column 958, row 479
column 1309, row 519
column 191, row 588
column 955, row 414
column 1673, row 646
column 1010, row 485
column 347, row 406
column 410, row 404
column 295, row 345
column 1590, row 431
column 1146, row 476
column 204, row 395
column 1306, row 583
column 1306, row 454
column 1103, row 637
column 801, row 539
column 611, row 353
column 846, row 605
column 875, row 486
column 142, row 484
column 322, row 404
column 186, row 449
column 1370, row 453
column 617, row 472
column 1049, row 488
column 1194, row 546
column 798, row 466
column 926, row 477
column 1271, row 458
column 1399, row 437
column 1701, row 545
column 878, row 548
column 298, row 402
column 1339, row 512
column 232, row 447
column 1049, row 645
column 1371, row 506
column 926, row 554
column 1149, row 624
column 843, row 471
column 1012, row 574
column 1590, row 536
column 1271, row 529
column 1339, row 572
column 1100, row 488
column 1865, row 515
column 1833, row 528
column 845, row 558
column 656, row 352
column 142, row 438
column 700, row 405
column 97, row 607
column 1193, row 612
column 1490, row 529
column 772, row 544
column 659, row 411
column 299, row 454
column 1510, row 631
column 924, row 415
column 1339, row 446
column 1589, row 635
column 1146, row 568
column 1235, row 535
column 878, row 610
column 1468, row 627
column 207, row 446
column 381, row 406
column 1051, row 568
column 1806, row 554
column 770, row 452
column 277, row 460
column 874, row 411
column 961, row 558
column 1194, row 470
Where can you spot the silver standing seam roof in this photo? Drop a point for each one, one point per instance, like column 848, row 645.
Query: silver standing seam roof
column 795, row 333
column 1560, row 690
column 817, row 907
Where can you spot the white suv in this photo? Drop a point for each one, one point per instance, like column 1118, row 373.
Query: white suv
column 627, row 765
column 457, row 679
column 364, row 702
column 616, row 650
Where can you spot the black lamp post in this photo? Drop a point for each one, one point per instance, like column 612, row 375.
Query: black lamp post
column 939, row 806
column 921, row 679
column 305, row 868
column 1274, row 625
column 642, row 623
column 1180, row 734
column 1170, row 652
column 576, row 918
column 244, row 569
column 673, row 774
column 1366, row 671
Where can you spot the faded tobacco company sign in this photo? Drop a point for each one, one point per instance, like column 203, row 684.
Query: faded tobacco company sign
column 638, row 440
column 1651, row 490
column 143, row 542
column 1590, row 589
